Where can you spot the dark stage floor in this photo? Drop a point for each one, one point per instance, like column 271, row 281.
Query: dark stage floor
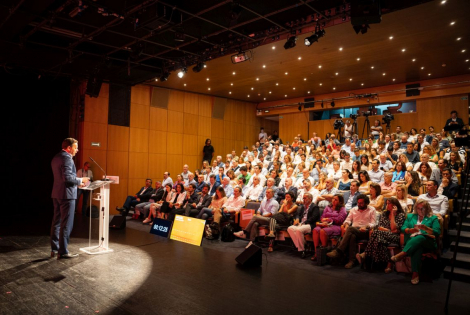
column 147, row 274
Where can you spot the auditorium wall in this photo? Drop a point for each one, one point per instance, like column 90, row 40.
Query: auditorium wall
column 429, row 112
column 160, row 140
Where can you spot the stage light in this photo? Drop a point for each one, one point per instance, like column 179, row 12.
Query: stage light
column 182, row 72
column 314, row 37
column 291, row 42
column 333, row 103
column 199, row 66
column 164, row 76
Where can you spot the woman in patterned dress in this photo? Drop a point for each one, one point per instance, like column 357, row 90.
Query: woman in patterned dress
column 387, row 232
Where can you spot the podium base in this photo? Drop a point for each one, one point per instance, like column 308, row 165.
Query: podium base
column 96, row 250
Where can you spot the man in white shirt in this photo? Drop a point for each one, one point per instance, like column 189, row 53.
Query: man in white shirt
column 261, row 177
column 255, row 190
column 347, row 145
column 227, row 187
column 185, row 174
column 439, row 203
column 424, row 159
column 307, row 189
column 167, row 179
column 263, row 136
column 358, row 223
column 336, row 173
column 289, row 174
column 305, row 175
column 327, row 194
column 231, row 206
column 84, row 172
column 346, row 164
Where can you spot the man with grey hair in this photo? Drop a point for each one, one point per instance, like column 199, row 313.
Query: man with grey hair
column 384, row 165
column 424, row 159
column 327, row 194
column 269, row 206
column 227, row 187
column 307, row 189
column 269, row 185
column 191, row 180
column 254, row 190
column 305, row 220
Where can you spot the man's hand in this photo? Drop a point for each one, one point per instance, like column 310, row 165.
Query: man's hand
column 296, row 222
column 445, row 182
column 363, row 229
column 138, row 199
column 85, row 180
column 194, row 205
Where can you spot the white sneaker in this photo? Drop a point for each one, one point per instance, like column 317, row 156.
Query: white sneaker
column 249, row 244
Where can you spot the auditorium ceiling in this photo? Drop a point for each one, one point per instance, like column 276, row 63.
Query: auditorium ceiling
column 131, row 42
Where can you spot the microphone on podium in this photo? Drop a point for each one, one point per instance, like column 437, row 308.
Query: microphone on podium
column 105, row 179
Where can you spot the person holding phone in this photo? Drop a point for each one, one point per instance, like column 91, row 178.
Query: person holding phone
column 386, row 233
column 421, row 229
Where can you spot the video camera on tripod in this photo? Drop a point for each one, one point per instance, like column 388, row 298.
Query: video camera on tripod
column 387, row 119
column 338, row 124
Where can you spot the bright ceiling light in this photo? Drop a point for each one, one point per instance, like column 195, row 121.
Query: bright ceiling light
column 182, row 72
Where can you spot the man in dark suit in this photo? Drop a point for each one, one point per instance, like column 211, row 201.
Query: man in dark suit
column 281, row 192
column 200, row 201
column 350, row 196
column 144, row 207
column 64, row 195
column 213, row 184
column 142, row 195
column 454, row 120
column 305, row 220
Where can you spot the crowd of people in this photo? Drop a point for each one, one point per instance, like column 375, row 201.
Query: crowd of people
column 374, row 189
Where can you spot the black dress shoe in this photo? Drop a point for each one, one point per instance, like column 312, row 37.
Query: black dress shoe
column 120, row 209
column 53, row 254
column 67, row 256
column 304, row 255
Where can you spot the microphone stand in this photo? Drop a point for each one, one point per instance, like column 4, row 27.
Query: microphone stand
column 105, row 179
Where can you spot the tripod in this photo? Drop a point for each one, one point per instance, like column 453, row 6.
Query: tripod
column 366, row 123
column 339, row 136
column 387, row 129
column 355, row 128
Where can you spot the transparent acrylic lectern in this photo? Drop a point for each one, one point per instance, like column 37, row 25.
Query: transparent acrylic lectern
column 103, row 242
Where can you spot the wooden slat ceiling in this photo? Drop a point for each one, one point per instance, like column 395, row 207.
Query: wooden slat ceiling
column 424, row 45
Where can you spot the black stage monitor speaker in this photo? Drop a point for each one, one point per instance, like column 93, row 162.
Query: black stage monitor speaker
column 251, row 257
column 412, row 89
column 118, row 222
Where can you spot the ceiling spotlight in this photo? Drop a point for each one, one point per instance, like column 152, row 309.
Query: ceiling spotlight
column 199, row 66
column 361, row 28
column 314, row 37
column 164, row 76
column 182, row 72
column 291, row 42
column 333, row 103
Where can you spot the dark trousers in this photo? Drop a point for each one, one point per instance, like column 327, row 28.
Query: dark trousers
column 350, row 239
column 85, row 201
column 190, row 211
column 62, row 224
column 174, row 212
column 131, row 201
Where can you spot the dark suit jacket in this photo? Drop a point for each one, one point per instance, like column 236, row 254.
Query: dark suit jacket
column 206, row 202
column 451, row 190
column 459, row 121
column 65, row 177
column 313, row 215
column 194, row 198
column 157, row 194
column 144, row 197
column 346, row 196
column 212, row 191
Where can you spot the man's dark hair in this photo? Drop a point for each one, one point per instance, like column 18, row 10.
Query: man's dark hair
column 444, row 161
column 193, row 185
column 212, row 176
column 68, row 142
column 243, row 169
column 365, row 198
column 149, row 180
column 435, row 183
column 454, row 112
column 446, row 170
column 243, row 179
column 382, row 142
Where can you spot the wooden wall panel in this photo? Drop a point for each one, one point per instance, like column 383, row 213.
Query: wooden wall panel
column 239, row 111
column 174, row 143
column 118, row 138
column 229, row 145
column 100, row 157
column 175, row 121
column 238, row 131
column 158, row 119
column 192, row 161
column 218, row 144
column 140, row 116
column 140, row 94
column 94, row 132
column 204, row 126
column 117, row 195
column 138, row 164
column 205, row 105
column 176, row 101
column 96, row 109
column 174, row 164
column 138, row 140
column 229, row 111
column 228, row 129
column 190, row 145
column 104, row 91
column 157, row 141
column 291, row 125
column 134, row 185
column 191, row 103
column 157, row 166
column 217, row 127
column 190, row 124
column 118, row 164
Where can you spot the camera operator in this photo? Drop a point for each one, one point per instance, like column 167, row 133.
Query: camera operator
column 376, row 129
column 348, row 129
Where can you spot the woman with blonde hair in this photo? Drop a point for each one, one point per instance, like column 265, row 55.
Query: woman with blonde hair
column 421, row 228
column 323, row 176
column 428, row 149
column 403, row 158
column 402, row 197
